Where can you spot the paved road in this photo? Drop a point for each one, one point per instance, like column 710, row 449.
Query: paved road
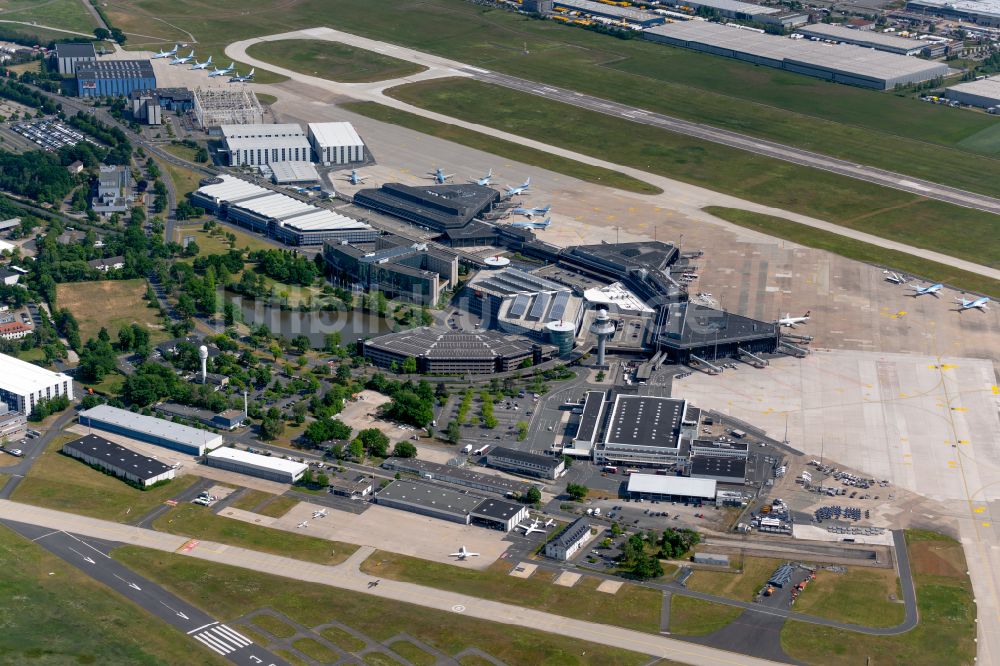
column 32, row 449
column 90, row 556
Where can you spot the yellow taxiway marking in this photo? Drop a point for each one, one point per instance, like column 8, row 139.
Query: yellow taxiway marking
column 996, row 390
column 901, row 313
column 979, row 509
column 986, row 524
column 631, row 209
column 611, row 218
column 963, row 441
column 959, row 409
column 902, row 395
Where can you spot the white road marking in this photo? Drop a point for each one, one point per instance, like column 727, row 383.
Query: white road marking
column 222, row 639
column 201, row 627
column 233, row 635
column 210, row 645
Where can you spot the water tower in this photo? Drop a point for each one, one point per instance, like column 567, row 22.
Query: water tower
column 602, row 328
column 203, row 355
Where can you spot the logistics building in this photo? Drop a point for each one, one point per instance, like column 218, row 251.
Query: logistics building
column 438, row 207
column 150, row 429
column 521, row 462
column 982, row 12
column 336, row 143
column 639, row 17
column 68, row 56
column 984, row 93
column 872, row 39
column 841, row 63
column 258, row 145
column 671, row 488
column 429, row 500
column 566, row 544
column 415, row 272
column 253, row 464
column 459, row 476
column 746, row 11
column 113, row 78
column 23, row 384
column 448, row 352
column 124, row 463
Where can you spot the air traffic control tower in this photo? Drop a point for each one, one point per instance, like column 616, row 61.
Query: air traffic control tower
column 602, row 328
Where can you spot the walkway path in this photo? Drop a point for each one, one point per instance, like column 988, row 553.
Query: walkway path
column 686, row 198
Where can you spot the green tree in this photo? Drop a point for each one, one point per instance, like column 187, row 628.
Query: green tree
column 409, row 366
column 404, row 450
column 356, row 450
column 533, row 496
column 408, row 407
column 453, row 432
column 522, row 430
column 577, row 491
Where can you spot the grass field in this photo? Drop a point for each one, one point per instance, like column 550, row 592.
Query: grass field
column 633, row 607
column 121, row 303
column 59, row 482
column 249, row 499
column 217, row 243
column 54, row 614
column 947, row 629
column 31, row 355
column 852, row 203
column 278, row 507
column 180, row 150
column 228, row 593
column 860, row 596
column 694, row 617
column 185, row 180
column 274, row 626
column 412, row 653
column 333, row 61
column 884, row 129
column 198, row 522
column 858, row 250
column 510, row 150
column 65, row 14
column 741, row 586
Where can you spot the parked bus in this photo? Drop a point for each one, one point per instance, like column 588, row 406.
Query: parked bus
column 610, row 469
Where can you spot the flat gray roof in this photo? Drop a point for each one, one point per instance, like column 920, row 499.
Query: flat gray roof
column 150, row 425
column 873, row 37
column 430, row 496
column 984, row 87
column 638, row 420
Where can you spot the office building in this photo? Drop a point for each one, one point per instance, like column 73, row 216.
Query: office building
column 124, row 463
column 429, row 500
column 114, row 78
column 262, row 144
column 149, row 429
column 445, row 351
column 336, row 143
column 568, row 542
column 271, row 468
column 23, row 385
column 68, row 56
column 521, row 462
column 13, row 425
column 647, row 431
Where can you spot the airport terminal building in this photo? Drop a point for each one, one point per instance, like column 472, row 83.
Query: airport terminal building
column 438, row 207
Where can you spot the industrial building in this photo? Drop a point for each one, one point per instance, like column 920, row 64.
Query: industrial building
column 647, row 430
column 671, row 488
column 123, row 463
column 253, row 464
column 414, row 272
column 840, row 63
column 498, row 515
column 445, row 351
column 148, row 105
column 459, row 476
column 114, row 78
column 429, row 500
column 261, row 144
column 280, row 216
column 359, row 486
column 521, row 462
column 981, row 12
column 438, row 207
column 746, row 11
column 723, row 469
column 293, row 173
column 68, row 56
column 215, row 107
column 872, row 39
column 336, row 143
column 13, row 425
column 984, row 93
column 588, row 431
column 639, row 17
column 566, row 544
column 150, row 429
column 114, row 190
column 23, row 384
column 227, row 420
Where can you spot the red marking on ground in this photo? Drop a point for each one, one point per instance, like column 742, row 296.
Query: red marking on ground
column 189, row 546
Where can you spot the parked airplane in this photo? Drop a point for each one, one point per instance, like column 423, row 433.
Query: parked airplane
column 202, row 65
column 894, row 278
column 183, row 60
column 520, row 189
column 485, row 180
column 522, row 224
column 223, row 71
column 304, row 523
column 549, row 523
column 166, row 54
column 533, row 527
column 319, row 514
column 439, row 176
column 531, row 212
column 355, row 178
column 790, row 321
column 463, row 553
column 242, row 79
column 932, row 290
column 978, row 304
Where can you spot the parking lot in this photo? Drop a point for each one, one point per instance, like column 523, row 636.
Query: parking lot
column 50, row 135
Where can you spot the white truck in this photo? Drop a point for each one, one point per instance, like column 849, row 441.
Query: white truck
column 467, row 449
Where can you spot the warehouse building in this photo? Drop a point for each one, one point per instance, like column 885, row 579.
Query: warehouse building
column 359, row 486
column 444, row 351
column 414, row 272
column 982, row 12
column 647, row 431
column 872, row 39
column 840, row 63
column 429, row 500
column 723, row 469
column 253, row 464
column 498, row 515
column 639, row 17
column 459, row 476
column 568, row 542
column 588, row 429
column 150, row 429
column 258, row 145
column 23, row 384
column 68, row 56
column 984, row 93
column 438, row 207
column 336, row 143
column 521, row 462
column 671, row 488
column 215, row 107
column 123, row 463
column 293, row 173
column 114, row 78
column 12, row 424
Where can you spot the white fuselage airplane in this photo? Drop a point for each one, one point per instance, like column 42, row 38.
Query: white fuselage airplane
column 790, row 321
column 319, row 514
column 520, row 189
column 978, row 304
column 522, row 224
column 920, row 291
column 355, row 178
column 166, row 54
column 531, row 212
column 183, row 60
column 304, row 523
column 894, row 278
column 223, row 71
column 533, row 527
column 463, row 553
column 202, row 65
column 439, row 176
column 485, row 180
column 549, row 522
column 243, row 79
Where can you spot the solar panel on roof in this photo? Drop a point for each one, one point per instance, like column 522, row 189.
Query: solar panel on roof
column 538, row 308
column 559, row 305
column 519, row 305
